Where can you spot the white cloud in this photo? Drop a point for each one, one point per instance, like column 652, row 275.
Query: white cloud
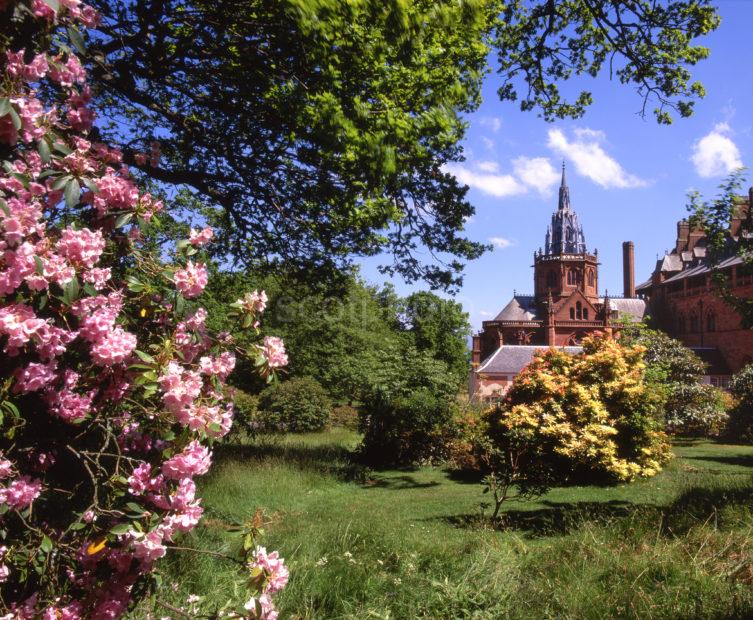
column 716, row 154
column 492, row 122
column 591, row 160
column 488, row 166
column 485, row 313
column 500, row 242
column 536, row 173
column 499, row 185
column 488, row 143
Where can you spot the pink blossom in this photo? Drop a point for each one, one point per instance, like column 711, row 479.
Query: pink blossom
column 68, row 73
column 35, row 377
column 274, row 568
column 198, row 238
column 148, row 547
column 6, row 467
column 193, row 461
column 20, row 493
column 274, row 352
column 191, row 280
column 68, row 405
column 114, row 348
column 36, row 69
column 141, row 482
column 220, row 366
column 42, row 9
column 14, row 63
column 180, row 387
column 81, row 247
column 89, row 516
column 268, row 611
column 98, row 277
column 254, row 302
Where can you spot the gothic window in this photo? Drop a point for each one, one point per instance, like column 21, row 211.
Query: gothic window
column 693, row 323
column 590, row 277
column 570, row 276
column 578, row 311
column 572, row 314
column 551, row 279
column 681, row 323
column 711, row 322
column 585, row 314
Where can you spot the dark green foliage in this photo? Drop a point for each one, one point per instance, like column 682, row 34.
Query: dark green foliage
column 316, row 131
column 405, row 430
column 667, row 359
column 298, row 405
column 740, row 426
column 246, row 412
column 695, row 410
column 345, row 416
column 439, row 326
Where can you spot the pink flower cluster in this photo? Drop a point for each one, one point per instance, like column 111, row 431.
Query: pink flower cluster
column 274, row 576
column 199, row 238
column 274, row 352
column 254, row 303
column 191, row 280
column 20, row 493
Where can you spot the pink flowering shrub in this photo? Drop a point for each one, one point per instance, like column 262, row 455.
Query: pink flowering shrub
column 114, row 388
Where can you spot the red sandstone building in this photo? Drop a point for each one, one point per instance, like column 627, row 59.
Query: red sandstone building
column 564, row 308
column 683, row 301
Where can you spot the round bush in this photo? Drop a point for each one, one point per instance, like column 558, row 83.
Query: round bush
column 740, row 427
column 298, row 405
column 695, row 411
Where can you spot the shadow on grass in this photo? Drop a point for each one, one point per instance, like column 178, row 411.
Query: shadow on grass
column 741, row 460
column 331, row 460
column 398, row 482
column 695, row 507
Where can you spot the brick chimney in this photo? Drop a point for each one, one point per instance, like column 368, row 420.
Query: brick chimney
column 628, row 268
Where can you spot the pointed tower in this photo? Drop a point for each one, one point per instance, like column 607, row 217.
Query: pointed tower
column 566, row 265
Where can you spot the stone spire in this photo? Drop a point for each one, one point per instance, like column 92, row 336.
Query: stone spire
column 564, row 204
column 565, row 234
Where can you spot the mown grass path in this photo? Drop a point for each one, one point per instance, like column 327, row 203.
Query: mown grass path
column 412, row 544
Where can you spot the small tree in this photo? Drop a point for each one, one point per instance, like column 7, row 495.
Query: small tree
column 741, row 415
column 297, row 405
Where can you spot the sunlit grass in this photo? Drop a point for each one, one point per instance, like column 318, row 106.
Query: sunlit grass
column 411, row 544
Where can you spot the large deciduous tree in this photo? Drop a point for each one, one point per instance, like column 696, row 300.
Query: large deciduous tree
column 320, row 129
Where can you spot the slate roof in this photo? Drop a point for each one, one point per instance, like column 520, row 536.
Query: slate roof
column 520, row 308
column 631, row 306
column 510, row 359
column 717, row 365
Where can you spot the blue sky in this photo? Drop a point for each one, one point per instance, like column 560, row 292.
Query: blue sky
column 628, row 176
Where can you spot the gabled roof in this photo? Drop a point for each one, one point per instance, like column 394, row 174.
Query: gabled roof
column 510, row 359
column 631, row 306
column 520, row 308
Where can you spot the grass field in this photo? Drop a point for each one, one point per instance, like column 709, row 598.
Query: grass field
column 411, row 544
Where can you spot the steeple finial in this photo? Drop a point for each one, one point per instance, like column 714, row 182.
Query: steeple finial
column 564, row 203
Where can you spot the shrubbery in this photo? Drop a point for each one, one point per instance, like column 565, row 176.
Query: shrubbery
column 590, row 417
column 113, row 386
column 298, row 405
column 405, row 430
column 696, row 410
column 740, row 427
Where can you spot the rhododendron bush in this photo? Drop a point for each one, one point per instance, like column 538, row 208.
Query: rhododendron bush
column 112, row 386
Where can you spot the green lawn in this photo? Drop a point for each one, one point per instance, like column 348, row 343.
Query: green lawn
column 411, row 544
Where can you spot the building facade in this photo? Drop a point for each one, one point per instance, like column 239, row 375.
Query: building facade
column 683, row 300
column 564, row 308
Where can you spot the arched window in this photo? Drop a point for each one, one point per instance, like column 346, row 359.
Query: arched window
column 551, row 279
column 590, row 277
column 572, row 314
column 693, row 323
column 711, row 321
column 585, row 314
column 570, row 276
column 578, row 311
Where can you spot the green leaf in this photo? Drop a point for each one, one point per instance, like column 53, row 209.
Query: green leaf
column 77, row 39
column 60, row 183
column 72, row 193
column 39, row 263
column 53, row 4
column 91, row 185
column 123, row 219
column 4, row 207
column 61, row 147
column 15, row 118
column 71, row 292
column 44, row 150
column 145, row 357
column 120, row 529
column 46, row 544
column 4, row 106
